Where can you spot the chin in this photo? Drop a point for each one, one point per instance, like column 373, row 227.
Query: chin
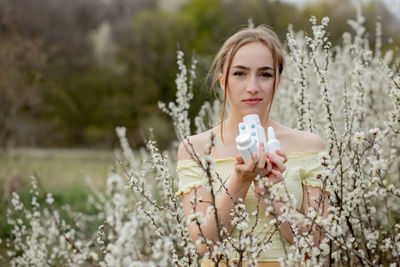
column 251, row 111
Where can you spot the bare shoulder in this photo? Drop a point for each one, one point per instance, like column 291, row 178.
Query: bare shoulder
column 300, row 141
column 311, row 141
column 195, row 143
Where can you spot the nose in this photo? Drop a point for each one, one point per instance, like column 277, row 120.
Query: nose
column 252, row 86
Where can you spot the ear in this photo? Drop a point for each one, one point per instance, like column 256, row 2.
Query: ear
column 222, row 82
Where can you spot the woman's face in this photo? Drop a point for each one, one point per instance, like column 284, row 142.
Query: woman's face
column 251, row 79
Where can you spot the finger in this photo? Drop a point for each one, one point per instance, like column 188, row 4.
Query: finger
column 252, row 163
column 261, row 161
column 277, row 162
column 242, row 166
column 282, row 154
column 268, row 167
column 239, row 160
column 275, row 157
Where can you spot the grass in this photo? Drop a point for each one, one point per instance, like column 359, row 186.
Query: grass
column 61, row 172
column 57, row 168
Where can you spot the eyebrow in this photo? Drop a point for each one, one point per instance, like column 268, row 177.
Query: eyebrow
column 247, row 68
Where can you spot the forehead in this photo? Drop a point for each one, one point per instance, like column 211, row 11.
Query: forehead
column 255, row 54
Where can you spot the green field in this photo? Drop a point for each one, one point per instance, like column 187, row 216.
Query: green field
column 57, row 169
column 61, row 172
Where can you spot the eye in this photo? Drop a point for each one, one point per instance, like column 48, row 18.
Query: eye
column 266, row 75
column 239, row 73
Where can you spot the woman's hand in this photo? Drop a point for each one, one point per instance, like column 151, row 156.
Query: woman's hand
column 277, row 162
column 256, row 166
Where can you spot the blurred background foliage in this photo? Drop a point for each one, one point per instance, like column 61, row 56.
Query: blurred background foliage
column 71, row 71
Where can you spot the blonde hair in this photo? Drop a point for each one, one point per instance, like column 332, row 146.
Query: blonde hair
column 223, row 60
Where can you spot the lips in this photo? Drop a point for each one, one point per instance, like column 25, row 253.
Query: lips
column 252, row 101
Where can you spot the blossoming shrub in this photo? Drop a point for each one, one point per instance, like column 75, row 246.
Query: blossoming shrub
column 358, row 114
column 348, row 94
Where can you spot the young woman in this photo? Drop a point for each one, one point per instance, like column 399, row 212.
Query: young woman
column 248, row 68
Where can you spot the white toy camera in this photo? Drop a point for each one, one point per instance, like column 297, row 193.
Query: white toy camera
column 251, row 133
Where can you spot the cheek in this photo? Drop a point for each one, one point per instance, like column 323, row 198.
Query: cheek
column 231, row 88
column 232, row 96
column 269, row 85
column 236, row 84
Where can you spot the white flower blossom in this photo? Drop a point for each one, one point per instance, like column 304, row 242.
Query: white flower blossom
column 196, row 218
column 242, row 225
column 210, row 210
column 49, row 199
column 359, row 137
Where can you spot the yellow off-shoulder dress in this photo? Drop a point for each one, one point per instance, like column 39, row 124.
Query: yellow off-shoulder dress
column 301, row 169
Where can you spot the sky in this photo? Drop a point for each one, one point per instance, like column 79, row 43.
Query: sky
column 392, row 5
